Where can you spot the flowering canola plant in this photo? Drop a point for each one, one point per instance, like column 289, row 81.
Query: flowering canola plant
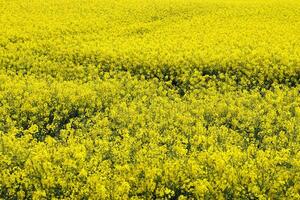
column 150, row 99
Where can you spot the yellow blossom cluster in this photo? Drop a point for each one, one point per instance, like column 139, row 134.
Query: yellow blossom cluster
column 150, row 99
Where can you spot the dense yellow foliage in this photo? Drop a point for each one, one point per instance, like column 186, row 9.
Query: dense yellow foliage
column 149, row 99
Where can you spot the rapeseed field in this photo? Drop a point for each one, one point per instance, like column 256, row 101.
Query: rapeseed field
column 150, row 99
